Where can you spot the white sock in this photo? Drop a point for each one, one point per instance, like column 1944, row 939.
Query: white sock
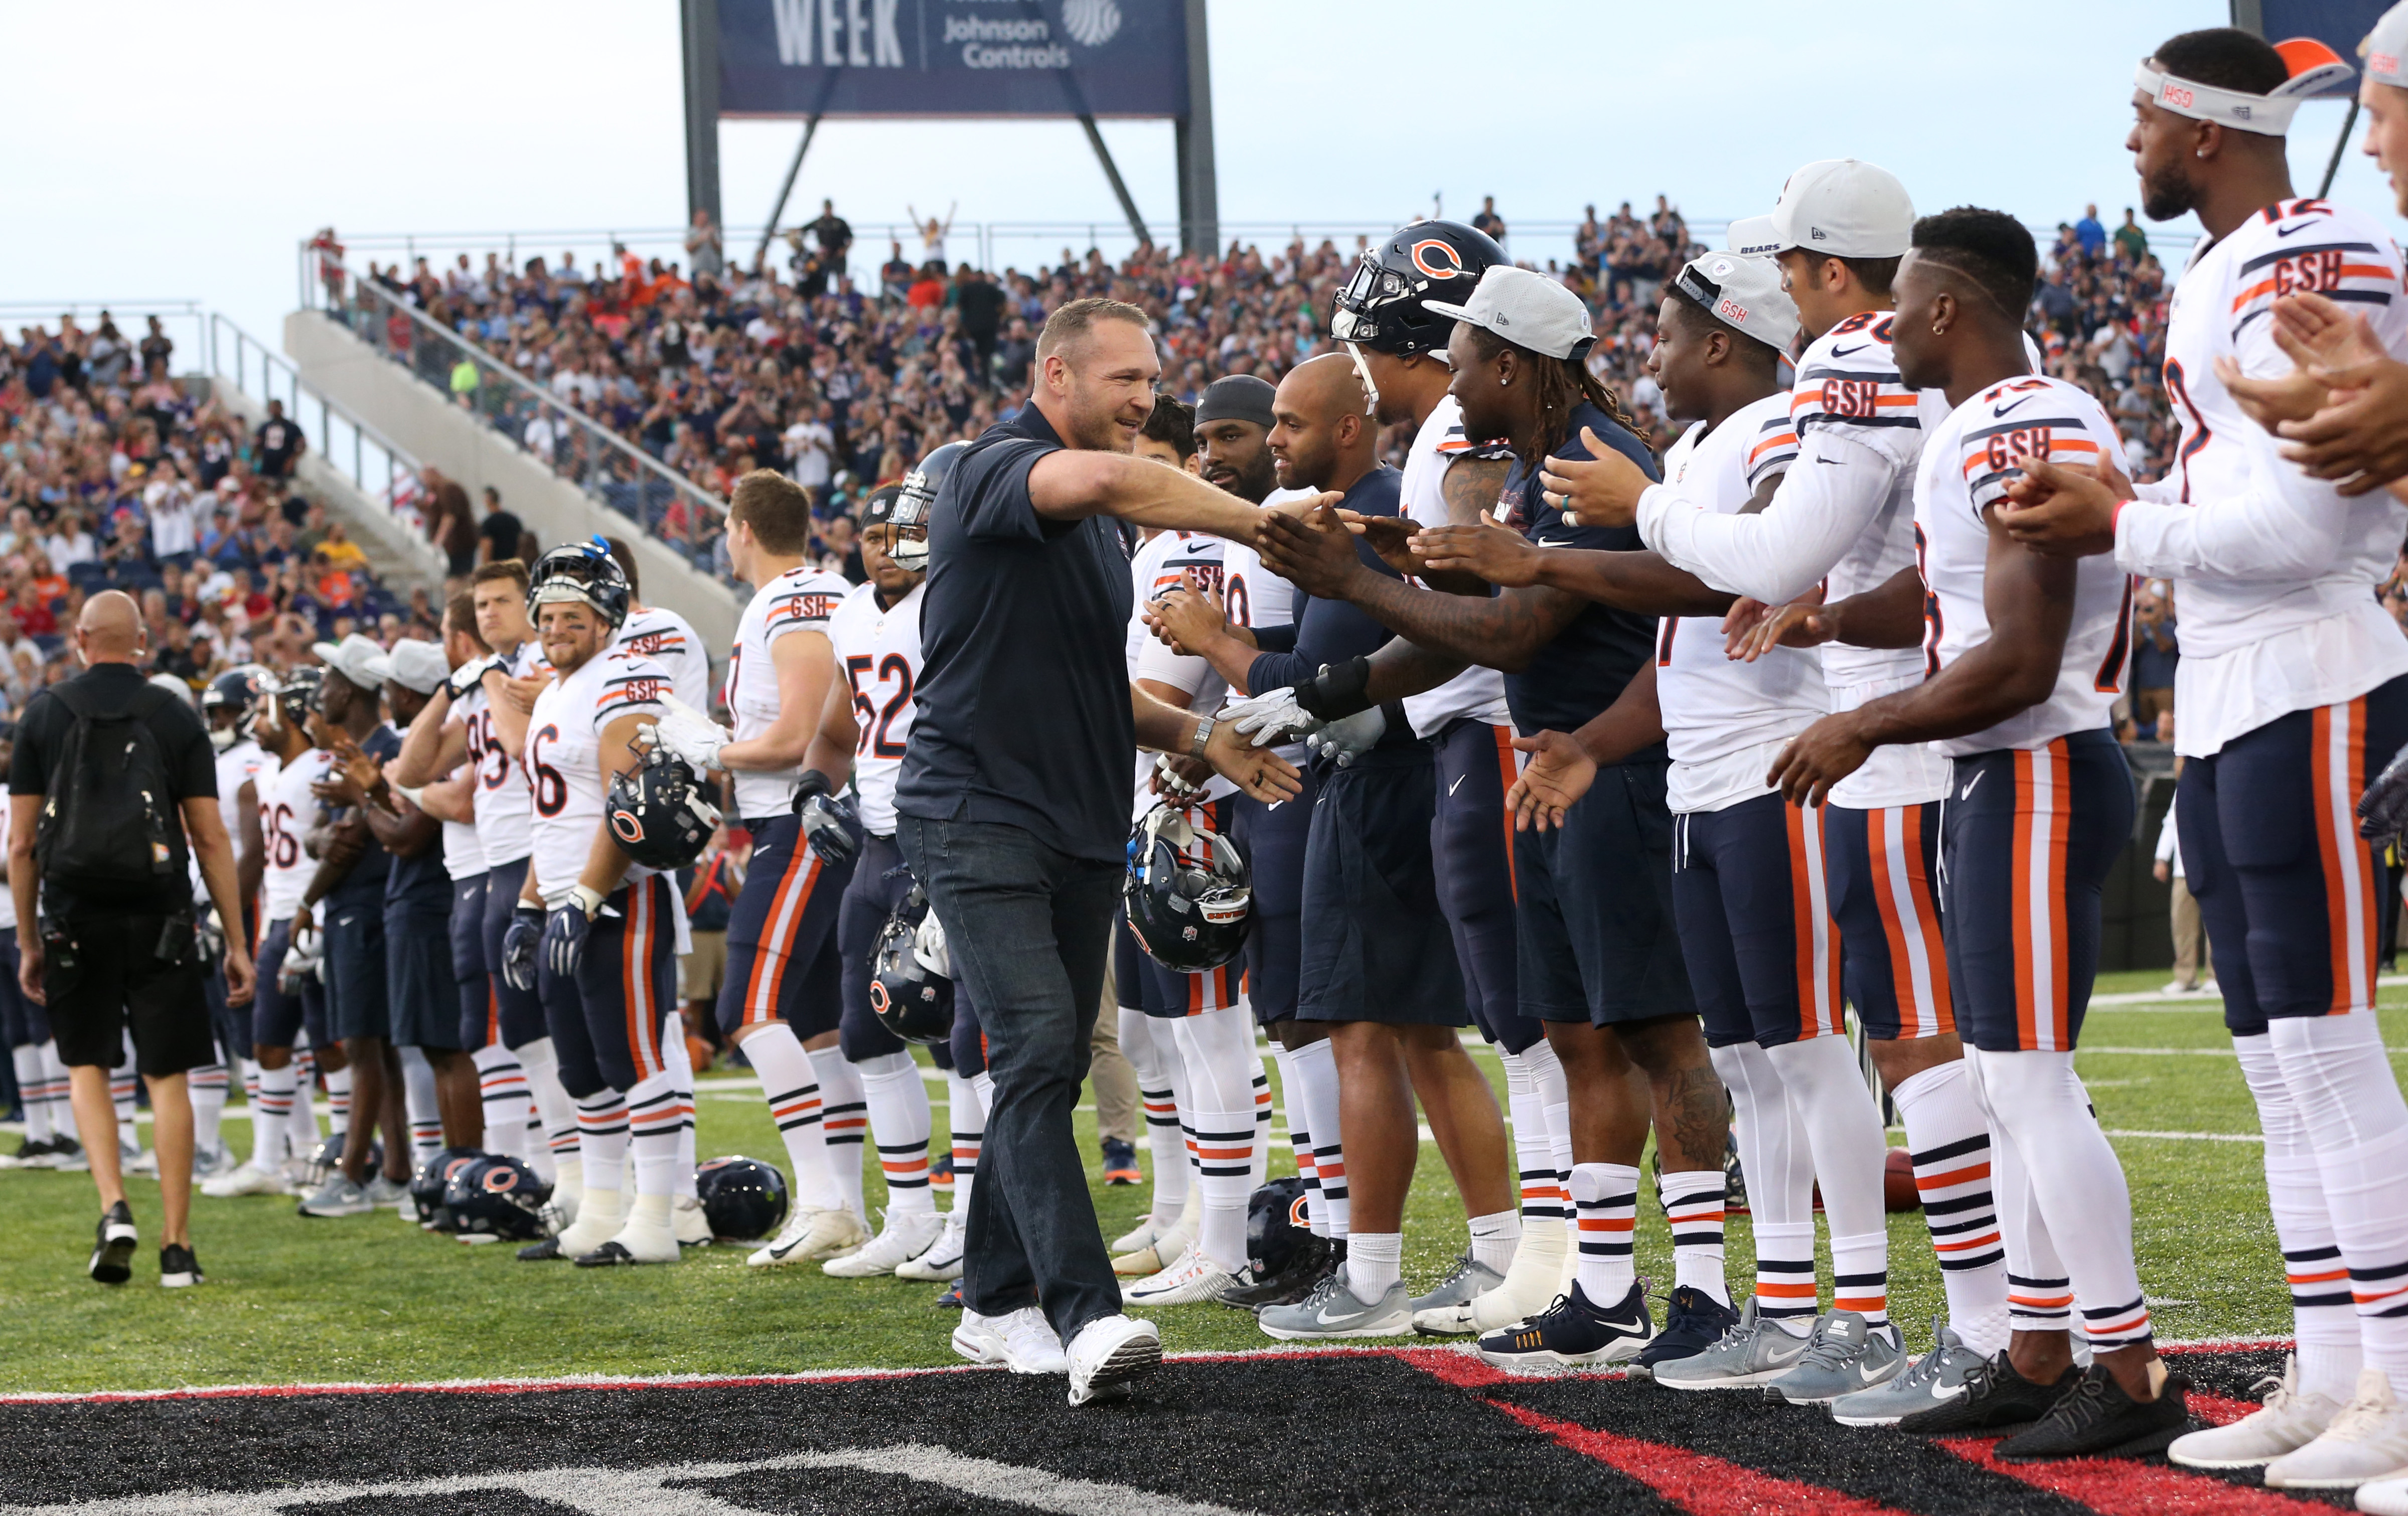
column 1534, row 1151
column 34, row 1088
column 2341, row 1077
column 966, row 1115
column 122, row 1081
column 678, row 1063
column 1299, row 1144
column 559, row 1153
column 1826, row 1088
column 1217, row 1049
column 2325, row 1319
column 1695, row 1199
column 304, row 1127
column 502, row 1090
column 655, row 1116
column 602, row 1149
column 1374, row 1261
column 208, row 1085
column 1154, row 1057
column 900, row 1123
column 1605, row 1198
column 1494, row 1238
column 339, row 1101
column 847, row 1124
column 790, row 1079
column 1950, row 1141
column 1316, row 1077
column 1261, row 1168
column 1776, row 1163
column 425, row 1114
column 273, row 1138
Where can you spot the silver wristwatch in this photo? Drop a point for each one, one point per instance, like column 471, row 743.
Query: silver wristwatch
column 1203, row 735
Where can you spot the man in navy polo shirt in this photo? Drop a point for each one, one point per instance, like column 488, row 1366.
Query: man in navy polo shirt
column 1013, row 813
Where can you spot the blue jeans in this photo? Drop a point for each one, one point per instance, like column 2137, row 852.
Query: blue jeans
column 1028, row 928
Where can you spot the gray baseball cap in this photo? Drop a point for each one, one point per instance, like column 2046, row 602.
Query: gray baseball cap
column 1743, row 293
column 1526, row 308
column 1840, row 206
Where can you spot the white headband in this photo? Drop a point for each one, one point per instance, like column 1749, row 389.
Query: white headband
column 2268, row 115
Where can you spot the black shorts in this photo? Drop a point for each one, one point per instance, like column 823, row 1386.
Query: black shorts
column 1472, row 842
column 117, row 982
column 781, row 938
column 357, row 1005
column 1376, row 944
column 479, row 1010
column 1597, row 943
column 421, row 988
column 277, row 1018
column 1273, row 843
column 1747, row 896
column 521, row 1014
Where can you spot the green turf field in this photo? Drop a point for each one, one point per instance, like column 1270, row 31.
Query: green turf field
column 372, row 1298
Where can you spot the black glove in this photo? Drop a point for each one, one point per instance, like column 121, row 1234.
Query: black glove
column 2383, row 809
column 1337, row 690
column 519, row 945
column 828, row 826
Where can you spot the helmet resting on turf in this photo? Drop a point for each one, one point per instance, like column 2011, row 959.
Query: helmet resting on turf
column 433, row 1178
column 1188, row 897
column 498, row 1196
column 742, row 1198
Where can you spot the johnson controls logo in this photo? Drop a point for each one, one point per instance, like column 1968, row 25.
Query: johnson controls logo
column 1092, row 23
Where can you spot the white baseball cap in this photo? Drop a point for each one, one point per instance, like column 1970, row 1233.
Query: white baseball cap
column 1744, row 294
column 1526, row 308
column 2385, row 48
column 1842, row 207
column 416, row 665
column 360, row 661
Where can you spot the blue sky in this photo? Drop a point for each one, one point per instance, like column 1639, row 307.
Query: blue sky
column 179, row 150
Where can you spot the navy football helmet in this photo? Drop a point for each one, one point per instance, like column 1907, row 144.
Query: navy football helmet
column 910, row 983
column 659, row 813
column 744, row 1199
column 1385, row 306
column 296, row 692
column 239, row 690
column 919, row 497
column 432, row 1177
column 498, row 1196
column 1188, row 897
column 328, row 1156
column 584, row 573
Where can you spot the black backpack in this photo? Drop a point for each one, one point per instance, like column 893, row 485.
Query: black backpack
column 110, row 830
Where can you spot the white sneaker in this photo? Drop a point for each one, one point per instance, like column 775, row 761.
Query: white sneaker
column 1107, row 1354
column 603, row 1212
column 1191, row 1279
column 2287, row 1422
column 133, row 1158
column 2383, row 1497
column 636, row 1241
column 942, row 1258
column 2368, row 1440
column 1140, row 1237
column 692, row 1228
column 248, row 1180
column 207, row 1165
column 2177, row 987
column 1530, row 1288
column 813, row 1233
column 1021, row 1340
column 900, row 1241
column 382, row 1191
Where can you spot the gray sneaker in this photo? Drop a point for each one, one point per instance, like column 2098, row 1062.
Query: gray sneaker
column 1755, row 1352
column 1843, row 1356
column 338, row 1196
column 382, row 1191
column 1935, row 1378
column 1467, row 1282
column 1332, row 1310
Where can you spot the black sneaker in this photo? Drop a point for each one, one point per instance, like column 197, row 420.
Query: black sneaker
column 1120, row 1163
column 1573, row 1334
column 30, row 1154
column 539, row 1253
column 1995, row 1398
column 113, row 1248
column 178, row 1268
column 951, row 1298
column 2096, row 1419
column 1694, row 1321
column 1310, row 1267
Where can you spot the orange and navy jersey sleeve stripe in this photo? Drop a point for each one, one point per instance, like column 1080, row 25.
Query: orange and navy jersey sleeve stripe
column 2022, row 422
column 797, row 611
column 638, row 693
column 2307, row 252
column 1772, row 451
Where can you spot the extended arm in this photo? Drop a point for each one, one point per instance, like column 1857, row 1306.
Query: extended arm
column 435, row 742
column 1826, row 502
column 1073, row 484
column 1166, row 728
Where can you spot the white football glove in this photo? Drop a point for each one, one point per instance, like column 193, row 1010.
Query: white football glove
column 300, row 961
column 689, row 735
column 929, row 946
column 468, row 676
column 1348, row 738
column 1270, row 717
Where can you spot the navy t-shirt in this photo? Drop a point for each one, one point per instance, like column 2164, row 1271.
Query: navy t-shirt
column 1023, row 705
column 1584, row 670
column 369, row 878
column 420, row 884
column 1332, row 632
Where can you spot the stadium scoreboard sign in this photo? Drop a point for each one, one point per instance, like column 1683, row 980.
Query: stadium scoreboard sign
column 868, row 58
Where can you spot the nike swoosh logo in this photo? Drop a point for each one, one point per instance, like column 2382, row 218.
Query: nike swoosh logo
column 2000, row 410
column 1865, row 1372
column 1322, row 1318
column 1967, row 793
column 1457, row 785
column 2287, row 231
column 1544, row 543
column 1833, row 462
column 1843, row 353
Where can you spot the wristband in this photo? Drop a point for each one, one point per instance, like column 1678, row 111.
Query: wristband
column 587, row 899
column 812, row 784
column 1203, row 736
column 1336, row 690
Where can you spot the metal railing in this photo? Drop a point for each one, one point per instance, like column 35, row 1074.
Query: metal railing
column 615, row 472
column 186, row 321
column 382, row 472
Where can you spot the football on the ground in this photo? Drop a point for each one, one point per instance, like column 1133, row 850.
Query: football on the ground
column 1897, row 1182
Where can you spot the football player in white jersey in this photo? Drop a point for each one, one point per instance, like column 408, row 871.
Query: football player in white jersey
column 2025, row 654
column 596, row 934
column 2293, row 691
column 480, row 718
column 1841, row 524
column 780, row 1001
column 284, row 1003
column 662, row 635
column 229, row 705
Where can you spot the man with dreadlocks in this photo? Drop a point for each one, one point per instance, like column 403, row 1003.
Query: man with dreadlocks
column 1600, row 962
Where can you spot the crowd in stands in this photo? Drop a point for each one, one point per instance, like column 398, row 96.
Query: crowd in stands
column 116, row 474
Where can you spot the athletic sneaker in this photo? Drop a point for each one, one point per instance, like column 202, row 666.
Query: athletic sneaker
column 1111, row 1351
column 1573, row 1334
column 1315, row 1259
column 1193, row 1281
column 1754, row 1350
column 30, row 1154
column 692, row 1228
column 2367, row 1442
column 942, row 1260
column 811, row 1233
column 2096, row 1419
column 249, row 1179
column 1995, row 1398
column 940, row 1172
column 381, row 1191
column 635, row 1242
column 1155, row 1256
column 1333, row 1310
column 951, row 1298
column 1937, row 1376
column 134, row 1158
column 1467, row 1282
column 1844, row 1354
column 1120, row 1163
column 68, row 1157
column 1140, row 1236
column 899, row 1240
column 1694, row 1321
column 112, row 1246
column 1021, row 1340
column 2287, row 1422
column 207, row 1165
column 338, row 1196
column 178, row 1268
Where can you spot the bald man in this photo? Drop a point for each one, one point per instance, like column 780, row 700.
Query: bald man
column 1379, row 971
column 114, row 948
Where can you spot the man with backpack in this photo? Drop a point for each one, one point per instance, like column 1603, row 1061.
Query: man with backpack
column 110, row 779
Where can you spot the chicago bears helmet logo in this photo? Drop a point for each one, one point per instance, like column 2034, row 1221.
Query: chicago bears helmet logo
column 628, row 828
column 1436, row 258
column 878, row 1001
column 499, row 1180
column 1295, row 1212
